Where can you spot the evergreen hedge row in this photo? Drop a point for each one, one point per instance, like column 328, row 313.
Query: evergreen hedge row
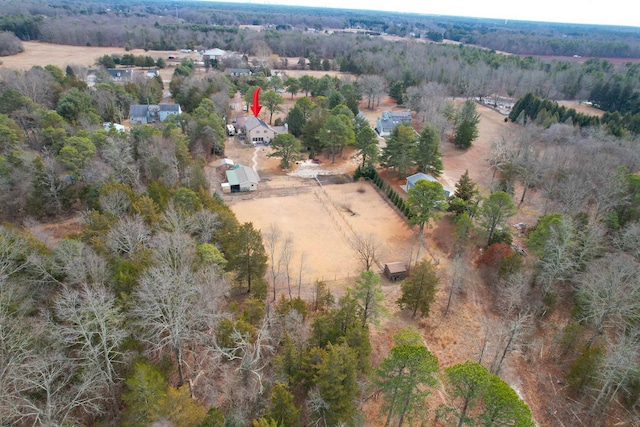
column 394, row 197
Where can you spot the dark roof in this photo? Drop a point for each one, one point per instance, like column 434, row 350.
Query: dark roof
column 253, row 122
column 395, row 267
column 138, row 110
column 171, row 108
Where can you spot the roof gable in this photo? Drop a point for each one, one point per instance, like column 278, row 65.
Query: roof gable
column 241, row 174
column 253, row 122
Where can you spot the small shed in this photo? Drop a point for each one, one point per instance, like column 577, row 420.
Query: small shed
column 226, row 164
column 395, row 271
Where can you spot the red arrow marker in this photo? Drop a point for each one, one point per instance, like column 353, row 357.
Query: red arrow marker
column 256, row 107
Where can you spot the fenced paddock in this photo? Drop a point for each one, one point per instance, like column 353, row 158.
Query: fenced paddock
column 322, row 221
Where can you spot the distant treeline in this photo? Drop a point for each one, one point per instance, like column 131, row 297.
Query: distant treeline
column 546, row 112
column 171, row 24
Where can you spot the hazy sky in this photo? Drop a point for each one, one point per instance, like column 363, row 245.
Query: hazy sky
column 612, row 12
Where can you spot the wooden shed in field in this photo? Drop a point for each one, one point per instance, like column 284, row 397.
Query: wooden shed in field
column 395, row 271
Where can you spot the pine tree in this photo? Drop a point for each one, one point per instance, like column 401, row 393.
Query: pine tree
column 337, row 384
column 427, row 155
column 403, row 375
column 419, row 289
column 465, row 197
column 281, row 407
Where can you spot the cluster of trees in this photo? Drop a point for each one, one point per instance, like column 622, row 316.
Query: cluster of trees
column 129, row 59
column 9, row 44
column 546, row 112
column 591, row 208
column 53, row 114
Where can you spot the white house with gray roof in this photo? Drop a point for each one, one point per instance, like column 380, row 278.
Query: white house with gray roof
column 258, row 131
column 391, row 119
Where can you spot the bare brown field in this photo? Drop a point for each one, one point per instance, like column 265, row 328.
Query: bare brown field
column 582, row 108
column 39, row 53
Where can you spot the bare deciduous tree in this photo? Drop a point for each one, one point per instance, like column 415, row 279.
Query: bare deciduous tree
column 373, row 87
column 128, row 236
column 619, row 365
column 367, row 249
column 78, row 263
column 458, row 271
column 271, row 240
column 609, row 295
column 173, row 250
column 513, row 332
column 89, row 322
column 253, row 354
column 175, row 309
column 203, row 224
column 286, row 255
column 53, row 390
column 118, row 154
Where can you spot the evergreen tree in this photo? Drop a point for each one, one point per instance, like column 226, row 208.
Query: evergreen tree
column 248, row 259
column 296, row 121
column 466, row 383
column 495, row 211
column 404, row 374
column 400, row 148
column 419, row 289
column 427, row 155
column 282, row 409
column 464, row 199
column 367, row 145
column 337, row 384
column 503, row 406
column 368, row 292
column 396, row 92
column 466, row 125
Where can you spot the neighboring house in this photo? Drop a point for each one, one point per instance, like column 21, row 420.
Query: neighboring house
column 411, row 182
column 242, row 178
column 115, row 74
column 237, row 72
column 216, row 54
column 258, row 131
column 152, row 73
column 395, row 271
column 142, row 114
column 391, row 119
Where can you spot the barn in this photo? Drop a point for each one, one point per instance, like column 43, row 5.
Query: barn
column 242, row 178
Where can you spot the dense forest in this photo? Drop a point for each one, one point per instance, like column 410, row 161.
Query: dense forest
column 157, row 308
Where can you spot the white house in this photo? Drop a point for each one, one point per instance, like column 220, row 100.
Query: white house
column 258, row 131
